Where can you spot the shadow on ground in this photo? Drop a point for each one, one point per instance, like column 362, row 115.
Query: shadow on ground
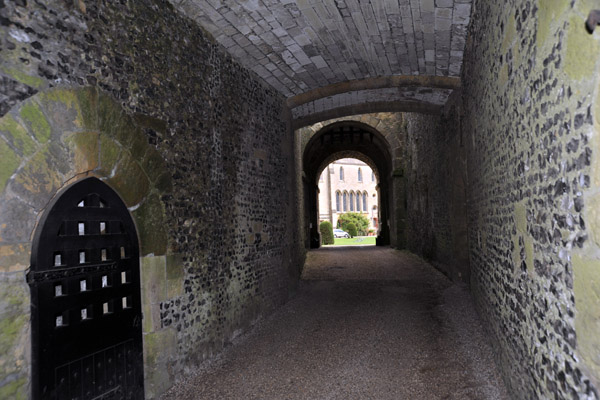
column 367, row 323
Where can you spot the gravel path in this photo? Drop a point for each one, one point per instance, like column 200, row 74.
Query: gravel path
column 367, row 323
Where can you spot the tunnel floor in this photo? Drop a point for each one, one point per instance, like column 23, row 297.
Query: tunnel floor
column 366, row 323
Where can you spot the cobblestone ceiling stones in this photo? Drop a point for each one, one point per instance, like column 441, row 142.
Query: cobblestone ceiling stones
column 300, row 45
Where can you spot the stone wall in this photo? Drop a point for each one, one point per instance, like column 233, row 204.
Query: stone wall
column 530, row 73
column 198, row 148
column 436, row 183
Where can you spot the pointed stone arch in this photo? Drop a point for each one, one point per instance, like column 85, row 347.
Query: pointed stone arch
column 53, row 139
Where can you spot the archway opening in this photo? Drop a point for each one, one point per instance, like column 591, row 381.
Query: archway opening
column 349, row 201
column 343, row 141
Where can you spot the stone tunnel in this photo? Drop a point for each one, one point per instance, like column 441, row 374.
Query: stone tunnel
column 159, row 163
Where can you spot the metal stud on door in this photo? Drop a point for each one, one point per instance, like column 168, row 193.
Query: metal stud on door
column 85, row 298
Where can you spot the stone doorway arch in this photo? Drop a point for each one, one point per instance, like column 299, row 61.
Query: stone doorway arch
column 49, row 141
column 349, row 139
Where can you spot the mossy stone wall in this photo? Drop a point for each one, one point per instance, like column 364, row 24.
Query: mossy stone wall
column 200, row 151
column 530, row 78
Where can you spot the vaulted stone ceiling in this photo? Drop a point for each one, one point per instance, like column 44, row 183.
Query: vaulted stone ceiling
column 332, row 58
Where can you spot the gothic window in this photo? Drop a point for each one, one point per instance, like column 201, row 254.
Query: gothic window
column 337, row 201
column 351, row 201
column 358, row 201
column 365, row 201
column 359, row 175
column 341, row 173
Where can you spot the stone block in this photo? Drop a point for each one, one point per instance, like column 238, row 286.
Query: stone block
column 138, row 142
column 444, row 3
column 16, row 389
column 110, row 115
column 154, row 279
column 153, row 164
column 63, row 109
column 87, row 100
column 150, row 221
column 14, row 339
column 163, row 183
column 110, row 153
column 175, row 275
column 9, row 162
column 85, row 148
column 14, row 257
column 39, row 179
column 17, row 220
column 26, row 79
column 159, row 350
column 17, row 136
column 36, row 121
column 130, row 181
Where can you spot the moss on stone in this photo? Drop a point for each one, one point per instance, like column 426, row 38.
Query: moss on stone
column 174, row 276
column 9, row 162
column 583, row 51
column 164, row 183
column 10, row 328
column 130, row 181
column 153, row 164
column 109, row 155
column 63, row 108
column 159, row 348
column 138, row 143
column 150, row 221
column 110, row 114
column 548, row 12
column 88, row 103
column 37, row 122
column 154, row 278
column 150, row 122
column 521, row 217
column 17, row 135
column 592, row 216
column 586, row 286
column 14, row 257
column 16, row 389
column 18, row 75
column 503, row 76
column 85, row 148
column 510, row 33
column 39, row 178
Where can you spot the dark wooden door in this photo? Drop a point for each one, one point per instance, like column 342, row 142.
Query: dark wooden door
column 85, row 298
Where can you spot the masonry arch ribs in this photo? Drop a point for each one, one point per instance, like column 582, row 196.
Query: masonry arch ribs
column 349, row 139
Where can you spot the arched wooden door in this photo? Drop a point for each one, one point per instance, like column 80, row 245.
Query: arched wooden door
column 85, row 298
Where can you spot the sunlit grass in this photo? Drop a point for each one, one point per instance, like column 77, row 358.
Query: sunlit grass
column 355, row 241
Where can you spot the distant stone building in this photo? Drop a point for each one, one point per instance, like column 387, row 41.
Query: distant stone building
column 348, row 185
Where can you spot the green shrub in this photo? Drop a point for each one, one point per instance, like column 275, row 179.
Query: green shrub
column 351, row 229
column 326, row 232
column 361, row 223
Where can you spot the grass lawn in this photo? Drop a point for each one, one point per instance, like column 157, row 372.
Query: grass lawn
column 358, row 240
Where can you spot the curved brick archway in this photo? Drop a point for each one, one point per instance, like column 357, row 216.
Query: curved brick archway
column 61, row 136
